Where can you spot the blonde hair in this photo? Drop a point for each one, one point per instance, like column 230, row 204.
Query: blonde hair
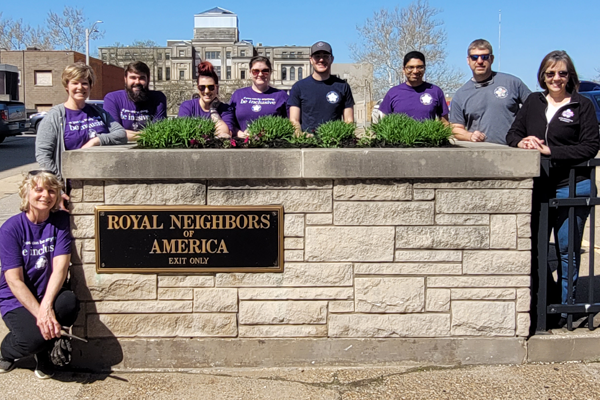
column 40, row 178
column 78, row 71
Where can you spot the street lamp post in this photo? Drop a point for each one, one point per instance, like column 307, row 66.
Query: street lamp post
column 87, row 41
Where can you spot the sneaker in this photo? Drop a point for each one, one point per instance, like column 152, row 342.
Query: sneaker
column 43, row 369
column 6, row 365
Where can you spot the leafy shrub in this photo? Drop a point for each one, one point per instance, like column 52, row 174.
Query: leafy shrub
column 177, row 133
column 400, row 130
column 336, row 134
column 270, row 131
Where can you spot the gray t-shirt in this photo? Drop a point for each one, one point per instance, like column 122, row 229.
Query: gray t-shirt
column 489, row 107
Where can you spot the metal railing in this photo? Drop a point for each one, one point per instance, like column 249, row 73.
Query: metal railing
column 546, row 301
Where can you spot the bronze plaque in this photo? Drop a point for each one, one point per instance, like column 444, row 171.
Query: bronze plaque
column 150, row 239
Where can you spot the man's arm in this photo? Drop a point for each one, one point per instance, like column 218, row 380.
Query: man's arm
column 349, row 115
column 295, row 119
column 460, row 133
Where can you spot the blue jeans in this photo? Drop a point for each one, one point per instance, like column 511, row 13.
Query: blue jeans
column 561, row 237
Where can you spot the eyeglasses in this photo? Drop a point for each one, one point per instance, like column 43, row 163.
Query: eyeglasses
column 265, row 71
column 562, row 74
column 484, row 57
column 324, row 56
column 419, row 68
column 211, row 88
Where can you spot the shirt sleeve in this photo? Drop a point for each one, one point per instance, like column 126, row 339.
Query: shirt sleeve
column 10, row 248
column 349, row 99
column 294, row 99
column 283, row 109
column 524, row 91
column 64, row 239
column 456, row 112
column 227, row 115
column 161, row 108
column 111, row 107
column 185, row 110
column 386, row 105
column 443, row 107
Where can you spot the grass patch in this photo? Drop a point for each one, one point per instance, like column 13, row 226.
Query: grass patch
column 400, row 130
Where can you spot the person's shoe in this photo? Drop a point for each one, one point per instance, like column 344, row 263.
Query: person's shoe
column 562, row 322
column 6, row 365
column 43, row 368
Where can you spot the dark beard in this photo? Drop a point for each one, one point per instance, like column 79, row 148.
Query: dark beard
column 138, row 97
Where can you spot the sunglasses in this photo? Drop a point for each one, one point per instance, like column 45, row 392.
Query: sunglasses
column 265, row 71
column 37, row 171
column 562, row 74
column 211, row 88
column 419, row 68
column 484, row 57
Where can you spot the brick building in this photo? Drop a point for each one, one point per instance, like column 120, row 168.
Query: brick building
column 40, row 84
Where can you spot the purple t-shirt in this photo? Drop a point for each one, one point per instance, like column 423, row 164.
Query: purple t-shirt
column 135, row 116
column 191, row 108
column 248, row 105
column 426, row 101
column 32, row 247
column 81, row 126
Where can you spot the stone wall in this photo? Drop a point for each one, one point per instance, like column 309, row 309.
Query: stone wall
column 384, row 258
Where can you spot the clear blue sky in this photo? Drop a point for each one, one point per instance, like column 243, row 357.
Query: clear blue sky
column 530, row 29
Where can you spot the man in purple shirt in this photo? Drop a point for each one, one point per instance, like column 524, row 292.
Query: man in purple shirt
column 135, row 106
column 415, row 97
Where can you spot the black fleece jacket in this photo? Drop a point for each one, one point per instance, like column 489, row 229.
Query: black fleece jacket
column 572, row 133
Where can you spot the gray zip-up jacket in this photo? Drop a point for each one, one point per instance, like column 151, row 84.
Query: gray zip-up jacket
column 50, row 141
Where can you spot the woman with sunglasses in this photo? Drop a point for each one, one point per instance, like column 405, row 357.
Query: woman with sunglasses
column 208, row 104
column 35, row 251
column 258, row 100
column 75, row 124
column 561, row 125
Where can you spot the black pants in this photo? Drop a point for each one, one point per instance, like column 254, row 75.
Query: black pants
column 25, row 338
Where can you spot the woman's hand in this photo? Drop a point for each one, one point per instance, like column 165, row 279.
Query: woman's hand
column 534, row 143
column 91, row 143
column 243, row 134
column 46, row 321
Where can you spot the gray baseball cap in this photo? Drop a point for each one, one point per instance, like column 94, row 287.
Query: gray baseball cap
column 320, row 46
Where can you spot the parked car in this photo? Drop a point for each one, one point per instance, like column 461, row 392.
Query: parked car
column 594, row 96
column 13, row 119
column 36, row 118
column 588, row 86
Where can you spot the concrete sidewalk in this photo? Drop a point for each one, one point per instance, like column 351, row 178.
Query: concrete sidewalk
column 516, row 382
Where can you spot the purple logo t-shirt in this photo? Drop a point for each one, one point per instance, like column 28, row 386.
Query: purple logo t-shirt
column 248, row 105
column 426, row 101
column 32, row 247
column 135, row 116
column 81, row 126
column 192, row 108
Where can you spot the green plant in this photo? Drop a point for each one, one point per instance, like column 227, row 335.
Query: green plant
column 270, row 131
column 400, row 130
column 177, row 132
column 336, row 134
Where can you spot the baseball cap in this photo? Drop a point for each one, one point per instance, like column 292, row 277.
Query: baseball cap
column 320, row 46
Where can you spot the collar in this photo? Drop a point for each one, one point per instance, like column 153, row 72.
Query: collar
column 485, row 83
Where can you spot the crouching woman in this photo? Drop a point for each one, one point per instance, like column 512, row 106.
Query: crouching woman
column 35, row 251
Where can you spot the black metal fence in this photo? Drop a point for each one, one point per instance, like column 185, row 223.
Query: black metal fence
column 546, row 292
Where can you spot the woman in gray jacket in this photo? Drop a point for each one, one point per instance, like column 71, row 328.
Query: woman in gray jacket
column 75, row 124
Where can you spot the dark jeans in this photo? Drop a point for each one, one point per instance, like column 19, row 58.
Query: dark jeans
column 25, row 338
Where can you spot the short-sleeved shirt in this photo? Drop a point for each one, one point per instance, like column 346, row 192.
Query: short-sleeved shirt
column 32, row 247
column 83, row 125
column 191, row 108
column 320, row 101
column 248, row 105
column 489, row 107
column 425, row 101
column 135, row 116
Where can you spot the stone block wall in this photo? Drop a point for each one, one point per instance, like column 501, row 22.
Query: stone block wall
column 363, row 259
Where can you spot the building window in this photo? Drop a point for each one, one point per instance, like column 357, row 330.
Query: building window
column 212, row 55
column 268, row 54
column 260, row 53
column 299, row 54
column 159, row 56
column 283, row 73
column 167, row 56
column 168, row 74
column 159, row 74
column 228, row 71
column 242, row 74
column 292, row 74
column 300, row 73
column 43, row 78
column 218, row 70
column 228, row 54
column 181, row 75
column 293, row 54
column 242, row 53
column 284, row 54
column 181, row 53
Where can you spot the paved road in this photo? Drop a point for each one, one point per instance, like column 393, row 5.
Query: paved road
column 15, row 152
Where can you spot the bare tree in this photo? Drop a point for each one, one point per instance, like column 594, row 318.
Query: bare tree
column 16, row 35
column 388, row 35
column 67, row 31
column 226, row 88
column 139, row 50
column 177, row 92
